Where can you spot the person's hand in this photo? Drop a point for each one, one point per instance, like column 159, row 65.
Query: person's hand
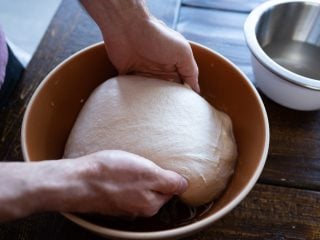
column 138, row 43
column 149, row 48
column 121, row 184
column 108, row 182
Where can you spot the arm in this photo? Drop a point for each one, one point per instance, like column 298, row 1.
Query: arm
column 138, row 43
column 108, row 182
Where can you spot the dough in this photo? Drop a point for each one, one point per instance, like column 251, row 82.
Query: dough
column 165, row 122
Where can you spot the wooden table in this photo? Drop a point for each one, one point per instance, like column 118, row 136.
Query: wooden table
column 284, row 204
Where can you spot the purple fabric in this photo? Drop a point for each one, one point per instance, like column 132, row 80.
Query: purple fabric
column 3, row 57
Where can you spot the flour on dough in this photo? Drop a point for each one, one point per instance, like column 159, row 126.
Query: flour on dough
column 165, row 122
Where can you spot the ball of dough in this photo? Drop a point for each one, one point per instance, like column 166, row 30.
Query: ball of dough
column 165, row 122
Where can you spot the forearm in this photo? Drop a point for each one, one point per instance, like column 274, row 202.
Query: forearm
column 107, row 182
column 112, row 15
column 27, row 188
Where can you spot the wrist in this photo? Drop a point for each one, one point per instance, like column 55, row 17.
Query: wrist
column 25, row 189
column 65, row 185
column 45, row 186
column 57, row 186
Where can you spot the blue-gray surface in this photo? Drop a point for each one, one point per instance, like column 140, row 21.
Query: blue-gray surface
column 25, row 22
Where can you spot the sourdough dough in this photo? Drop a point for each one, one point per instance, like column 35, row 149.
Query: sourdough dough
column 165, row 122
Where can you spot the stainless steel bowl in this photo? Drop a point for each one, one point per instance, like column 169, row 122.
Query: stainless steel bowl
column 284, row 39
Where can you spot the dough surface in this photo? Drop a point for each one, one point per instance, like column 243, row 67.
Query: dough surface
column 165, row 122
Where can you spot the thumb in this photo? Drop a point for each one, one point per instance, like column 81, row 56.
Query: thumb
column 188, row 70
column 172, row 183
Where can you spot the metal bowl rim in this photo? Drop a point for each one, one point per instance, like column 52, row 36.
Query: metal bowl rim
column 257, row 51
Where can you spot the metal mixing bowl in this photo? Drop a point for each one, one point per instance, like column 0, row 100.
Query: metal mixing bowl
column 284, row 39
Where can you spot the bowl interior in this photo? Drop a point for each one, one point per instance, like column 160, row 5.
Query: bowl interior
column 289, row 33
column 58, row 100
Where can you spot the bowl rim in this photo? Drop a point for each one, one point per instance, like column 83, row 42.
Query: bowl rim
column 170, row 233
column 256, row 50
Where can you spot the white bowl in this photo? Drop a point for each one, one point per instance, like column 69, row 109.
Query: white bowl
column 284, row 39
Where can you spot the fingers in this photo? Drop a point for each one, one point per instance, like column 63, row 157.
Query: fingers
column 130, row 184
column 158, row 179
column 170, row 183
column 165, row 181
column 188, row 69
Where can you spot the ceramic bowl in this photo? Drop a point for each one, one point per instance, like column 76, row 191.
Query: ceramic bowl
column 56, row 103
column 284, row 39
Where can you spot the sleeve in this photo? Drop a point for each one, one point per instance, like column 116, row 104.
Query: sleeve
column 11, row 71
column 3, row 57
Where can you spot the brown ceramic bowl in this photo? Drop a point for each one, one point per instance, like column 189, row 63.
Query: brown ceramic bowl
column 56, row 103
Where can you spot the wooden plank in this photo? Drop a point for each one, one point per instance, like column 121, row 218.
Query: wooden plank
column 294, row 155
column 226, row 5
column 268, row 212
column 218, row 30
column 60, row 41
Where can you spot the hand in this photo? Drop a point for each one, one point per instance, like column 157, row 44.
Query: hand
column 138, row 43
column 108, row 182
column 120, row 183
column 149, row 48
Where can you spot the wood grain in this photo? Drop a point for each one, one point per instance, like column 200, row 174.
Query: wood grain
column 218, row 30
column 225, row 5
column 286, row 202
column 60, row 41
column 294, row 155
column 268, row 212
